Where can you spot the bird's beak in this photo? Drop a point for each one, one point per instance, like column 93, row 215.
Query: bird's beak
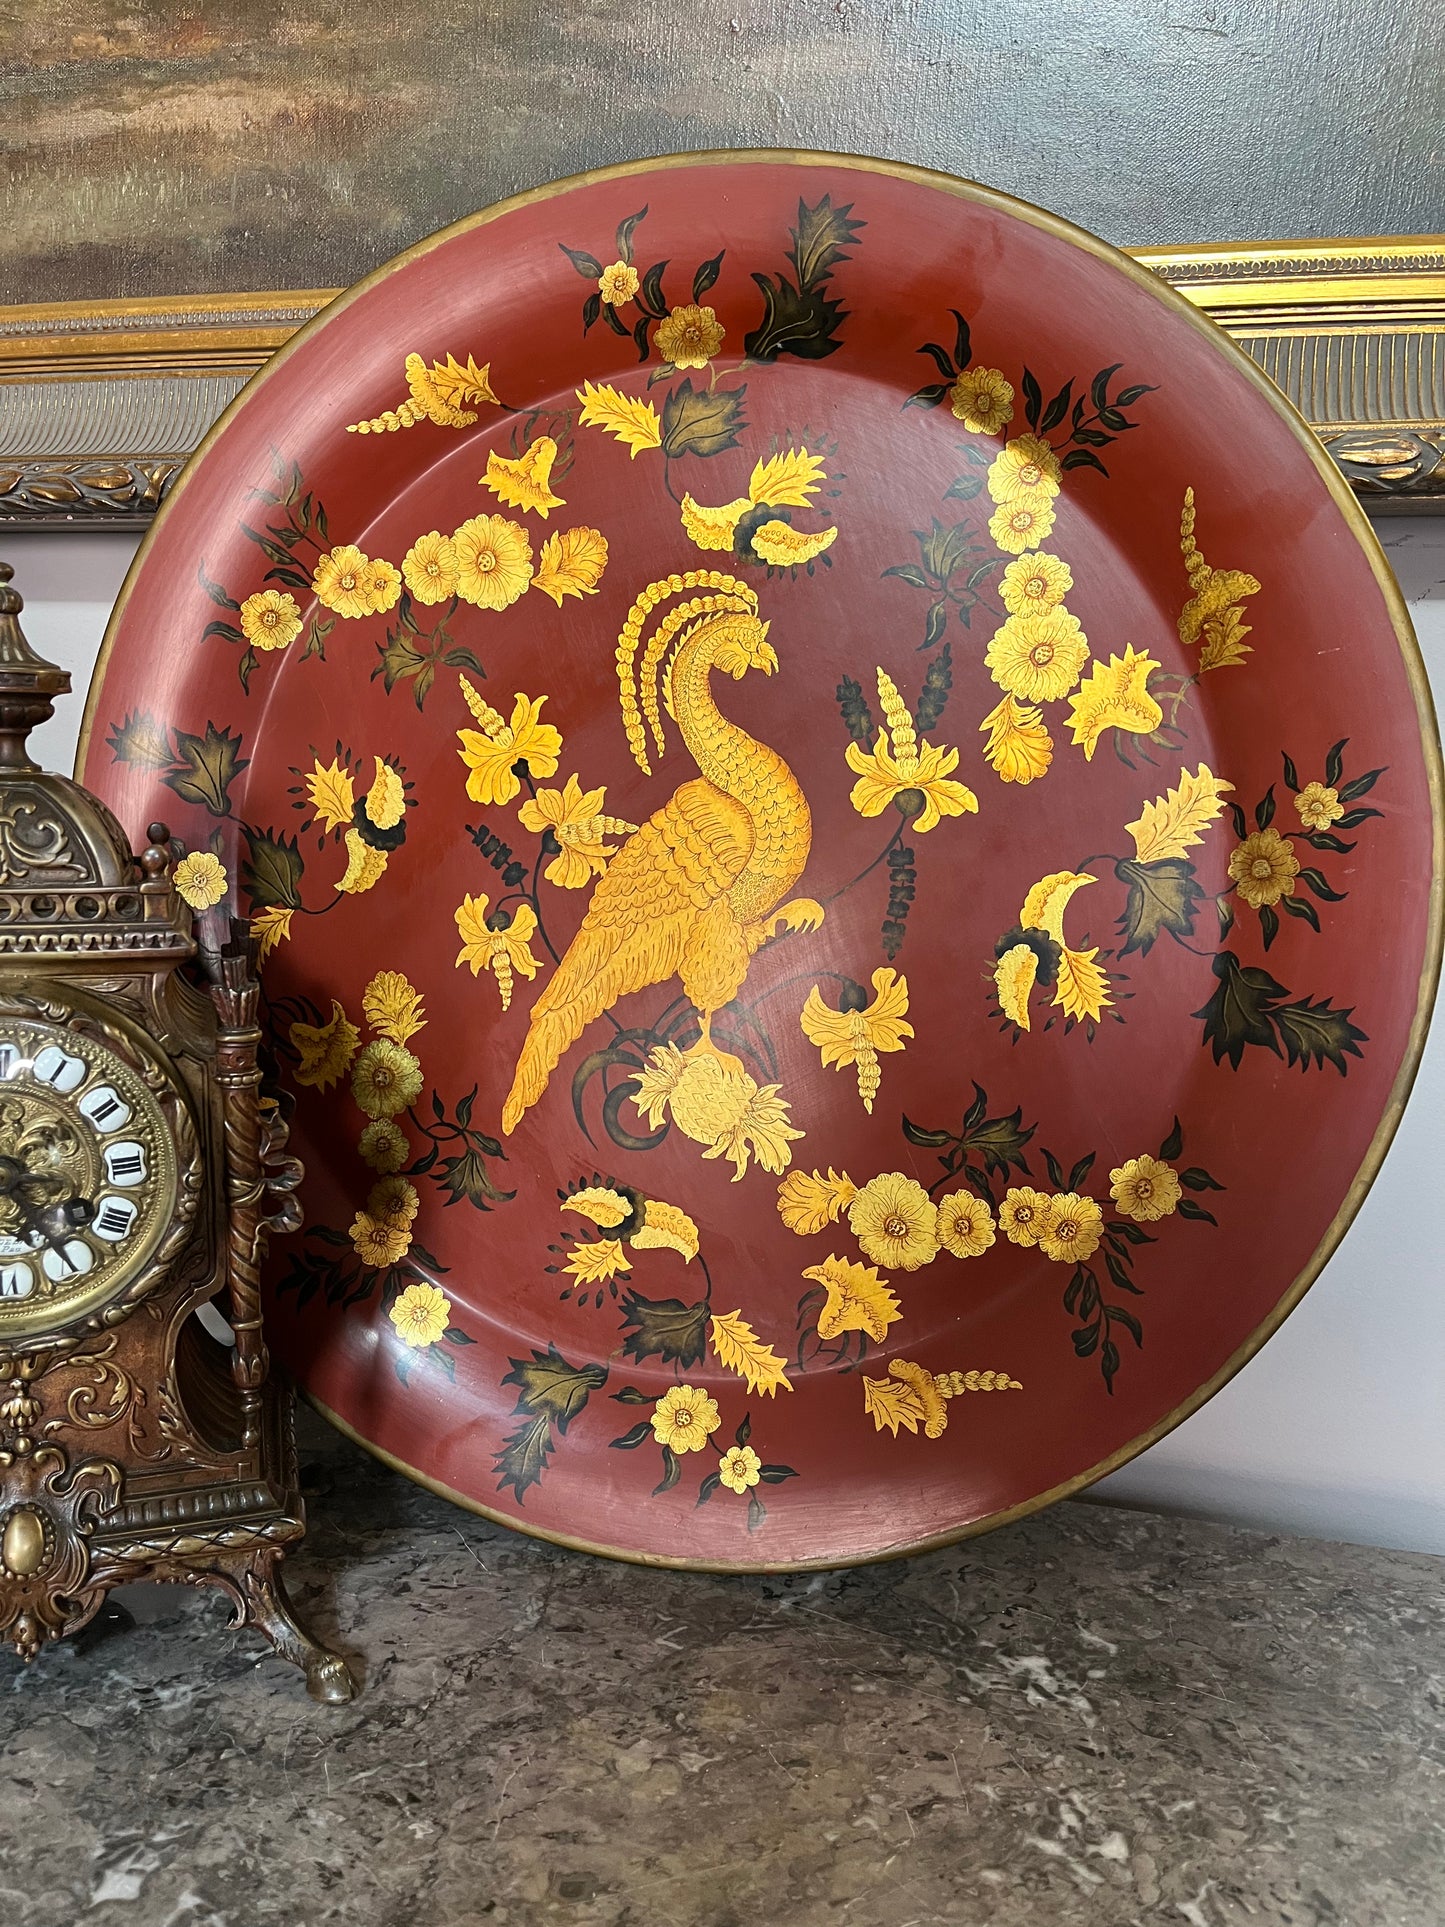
column 767, row 659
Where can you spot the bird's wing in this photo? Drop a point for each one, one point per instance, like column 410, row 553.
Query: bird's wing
column 667, row 873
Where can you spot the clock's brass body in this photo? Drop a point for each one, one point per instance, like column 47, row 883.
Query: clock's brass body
column 141, row 1171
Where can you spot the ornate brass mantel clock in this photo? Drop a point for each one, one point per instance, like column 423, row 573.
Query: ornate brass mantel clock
column 141, row 1171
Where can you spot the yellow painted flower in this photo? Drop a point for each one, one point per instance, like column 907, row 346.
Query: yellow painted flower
column 713, row 529
column 385, row 1078
column 1019, row 746
column 906, row 770
column 380, row 1243
column 1083, row 989
column 325, row 1050
column 690, row 336
column 740, row 1466
column 1014, row 977
column 1115, row 695
column 200, row 879
column 684, row 1419
column 718, row 1105
column 1025, row 470
column 571, row 563
column 500, row 943
column 617, row 284
column 1038, row 658
column 1017, row 527
column 429, row 568
column 983, row 400
column 351, row 584
column 421, row 1315
column 270, row 619
column 858, row 1300
column 1023, row 1214
column 392, row 1201
column 1070, row 1229
column 1264, row 868
column 807, row 1200
column 1034, row 583
column 785, row 547
column 1144, row 1189
column 385, row 804
column 494, row 561
column 596, row 1262
column 1319, row 806
column 965, row 1224
column 383, row 1146
column 930, row 1404
column 573, row 818
column 525, row 481
column 272, row 925
column 365, row 866
column 392, row 1006
column 858, row 1030
column 492, row 755
column 895, row 1221
column 331, row 793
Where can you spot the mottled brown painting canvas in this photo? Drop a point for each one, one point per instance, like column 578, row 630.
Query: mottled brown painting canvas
column 155, row 148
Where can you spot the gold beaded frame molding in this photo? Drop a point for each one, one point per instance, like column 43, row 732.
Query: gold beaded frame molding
column 102, row 402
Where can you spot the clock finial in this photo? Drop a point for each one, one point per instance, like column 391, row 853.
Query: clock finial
column 28, row 683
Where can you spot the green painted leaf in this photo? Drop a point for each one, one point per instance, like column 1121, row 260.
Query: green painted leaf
column 664, row 1328
column 523, row 1457
column 821, row 240
column 1163, row 896
column 272, row 869
column 1317, row 1033
column 1239, row 1014
column 696, row 421
column 549, row 1387
column 210, row 764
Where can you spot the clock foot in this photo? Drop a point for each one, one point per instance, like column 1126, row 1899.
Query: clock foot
column 263, row 1602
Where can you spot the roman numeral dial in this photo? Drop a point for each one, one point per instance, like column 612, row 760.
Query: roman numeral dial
column 87, row 1173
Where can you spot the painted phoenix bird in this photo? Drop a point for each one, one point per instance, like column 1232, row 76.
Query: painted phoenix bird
column 695, row 891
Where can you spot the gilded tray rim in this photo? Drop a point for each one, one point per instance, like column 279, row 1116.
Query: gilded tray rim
column 1359, row 525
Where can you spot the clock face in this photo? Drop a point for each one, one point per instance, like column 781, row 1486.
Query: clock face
column 87, row 1175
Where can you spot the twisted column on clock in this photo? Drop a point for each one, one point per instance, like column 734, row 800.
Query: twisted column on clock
column 235, row 993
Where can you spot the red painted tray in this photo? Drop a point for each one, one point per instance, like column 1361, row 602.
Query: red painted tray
column 843, row 811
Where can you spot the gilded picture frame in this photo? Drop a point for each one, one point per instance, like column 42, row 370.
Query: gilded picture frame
column 102, row 402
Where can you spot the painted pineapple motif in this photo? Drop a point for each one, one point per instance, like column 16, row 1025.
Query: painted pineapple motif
column 704, row 882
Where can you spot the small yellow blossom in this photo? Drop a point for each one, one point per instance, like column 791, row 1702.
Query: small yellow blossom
column 421, row 1315
column 1264, row 868
column 684, row 1418
column 494, row 561
column 500, row 943
column 855, row 1033
column 379, row 1243
column 1023, row 1214
column 1024, row 471
column 325, row 1050
column 1034, row 583
column 906, row 770
column 1070, row 1228
column 573, row 816
column 1038, row 658
column 983, row 400
column 1145, row 1189
column 965, row 1224
column 1017, row 527
column 383, row 1146
column 385, row 1078
column 1319, row 806
column 351, row 584
column 690, row 336
column 491, row 755
column 270, row 619
column 895, row 1221
column 392, row 1200
column 429, row 568
column 200, row 879
column 618, row 284
column 740, row 1466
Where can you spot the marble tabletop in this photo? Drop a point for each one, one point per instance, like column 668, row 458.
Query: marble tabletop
column 1094, row 1717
